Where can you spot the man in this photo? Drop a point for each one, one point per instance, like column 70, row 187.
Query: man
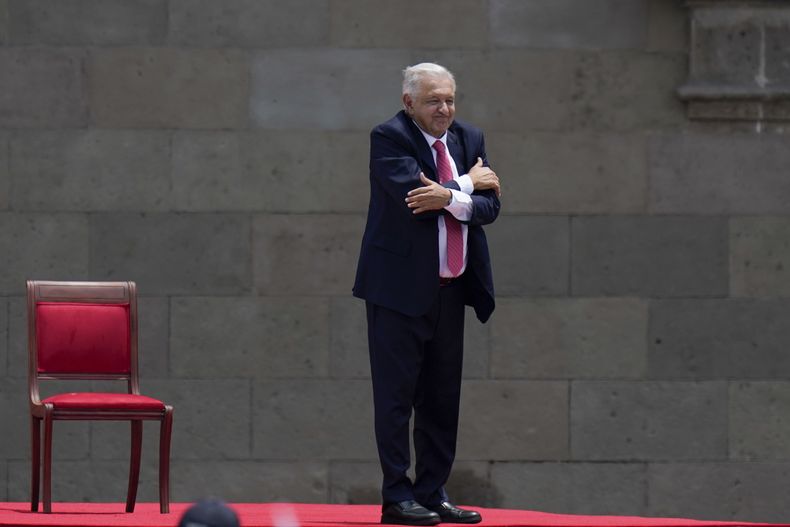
column 424, row 256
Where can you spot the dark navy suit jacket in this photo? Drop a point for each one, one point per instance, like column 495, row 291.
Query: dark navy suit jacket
column 399, row 261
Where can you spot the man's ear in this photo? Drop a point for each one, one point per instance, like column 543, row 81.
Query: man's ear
column 408, row 104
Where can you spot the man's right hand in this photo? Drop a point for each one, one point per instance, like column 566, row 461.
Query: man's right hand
column 484, row 178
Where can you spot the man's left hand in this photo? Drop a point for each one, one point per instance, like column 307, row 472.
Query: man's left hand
column 431, row 196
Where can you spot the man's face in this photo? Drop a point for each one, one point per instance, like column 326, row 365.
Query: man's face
column 433, row 106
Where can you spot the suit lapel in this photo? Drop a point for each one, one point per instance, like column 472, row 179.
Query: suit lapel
column 456, row 151
column 424, row 154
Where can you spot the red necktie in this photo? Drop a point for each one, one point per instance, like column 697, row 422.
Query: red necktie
column 455, row 238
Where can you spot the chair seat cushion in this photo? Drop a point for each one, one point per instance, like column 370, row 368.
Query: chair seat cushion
column 102, row 401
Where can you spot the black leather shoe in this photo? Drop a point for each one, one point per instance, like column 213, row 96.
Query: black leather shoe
column 408, row 513
column 449, row 513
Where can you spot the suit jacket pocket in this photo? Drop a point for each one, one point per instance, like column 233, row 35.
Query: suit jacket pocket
column 394, row 245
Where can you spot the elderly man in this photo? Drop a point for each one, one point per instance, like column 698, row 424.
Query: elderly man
column 424, row 257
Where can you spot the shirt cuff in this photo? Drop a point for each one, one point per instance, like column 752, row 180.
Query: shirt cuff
column 460, row 205
column 465, row 183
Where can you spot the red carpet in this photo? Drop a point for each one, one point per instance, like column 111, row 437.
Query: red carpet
column 312, row 515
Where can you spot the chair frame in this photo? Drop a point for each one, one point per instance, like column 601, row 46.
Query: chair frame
column 91, row 293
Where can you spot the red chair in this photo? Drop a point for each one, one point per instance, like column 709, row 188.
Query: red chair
column 88, row 331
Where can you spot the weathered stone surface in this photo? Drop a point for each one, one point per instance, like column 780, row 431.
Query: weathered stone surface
column 4, row 338
column 648, row 421
column 82, row 481
column 587, row 488
column 513, row 420
column 492, row 85
column 211, row 421
column 760, row 257
column 3, row 480
column 42, row 88
column 667, row 26
column 5, row 172
column 570, row 173
column 88, row 22
column 649, row 256
column 90, row 170
column 569, row 338
column 358, row 23
column 777, row 70
column 153, row 316
column 69, row 438
column 722, row 173
column 530, row 255
column 470, row 483
column 3, row 39
column 251, row 481
column 359, row 88
column 306, row 254
column 313, row 419
column 753, row 492
column 249, row 23
column 173, row 253
column 726, row 49
column 43, row 247
column 168, row 88
column 759, row 422
column 627, row 91
column 714, row 339
column 271, row 171
column 17, row 338
column 255, row 337
column 569, row 24
column 354, row 482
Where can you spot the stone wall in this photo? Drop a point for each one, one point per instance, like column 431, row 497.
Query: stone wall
column 216, row 153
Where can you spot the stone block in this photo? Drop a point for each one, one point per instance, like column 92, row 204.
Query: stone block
column 83, row 481
column 354, row 482
column 513, row 420
column 250, row 337
column 362, row 24
column 667, row 26
column 359, row 88
column 777, row 46
column 313, row 420
column 91, row 170
column 3, row 31
column 569, row 24
column 211, row 421
column 168, row 88
column 714, row 339
column 587, row 488
column 759, row 257
column 251, row 481
column 153, row 318
column 5, row 172
column 17, row 338
column 669, row 256
column 43, row 247
column 42, row 87
column 627, row 91
column 530, row 255
column 477, row 346
column 569, row 338
column 648, row 421
column 306, row 254
column 574, row 173
column 751, row 492
column 719, row 173
column 759, row 421
column 249, row 23
column 726, row 45
column 469, row 483
column 271, row 171
column 3, row 480
column 492, row 83
column 4, row 338
column 88, row 22
column 69, row 438
column 173, row 254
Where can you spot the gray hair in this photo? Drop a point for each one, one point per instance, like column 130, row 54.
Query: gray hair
column 413, row 75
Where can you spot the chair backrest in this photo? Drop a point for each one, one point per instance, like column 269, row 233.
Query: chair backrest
column 82, row 330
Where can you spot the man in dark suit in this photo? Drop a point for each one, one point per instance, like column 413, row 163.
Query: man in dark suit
column 424, row 257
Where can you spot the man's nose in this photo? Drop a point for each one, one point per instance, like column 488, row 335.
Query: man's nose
column 443, row 108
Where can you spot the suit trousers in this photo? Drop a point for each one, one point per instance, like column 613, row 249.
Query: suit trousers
column 416, row 364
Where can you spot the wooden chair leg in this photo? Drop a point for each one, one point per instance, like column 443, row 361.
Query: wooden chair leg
column 35, row 462
column 164, row 460
column 134, row 464
column 48, row 461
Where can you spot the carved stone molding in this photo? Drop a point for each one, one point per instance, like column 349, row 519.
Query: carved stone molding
column 739, row 63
